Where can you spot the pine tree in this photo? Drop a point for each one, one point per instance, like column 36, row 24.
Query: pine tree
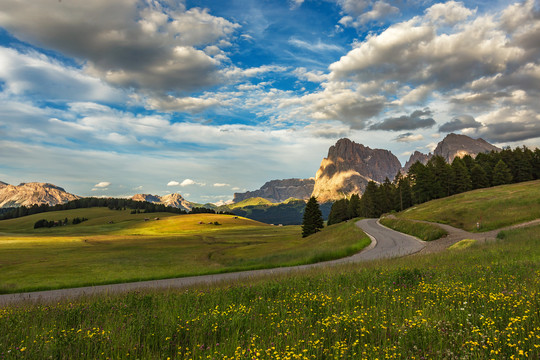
column 501, row 174
column 313, row 221
column 462, row 179
column 354, row 203
column 479, row 177
column 338, row 212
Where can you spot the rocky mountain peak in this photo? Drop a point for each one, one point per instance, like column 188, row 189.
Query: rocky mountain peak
column 456, row 145
column 416, row 156
column 174, row 200
column 146, row 197
column 349, row 167
column 28, row 194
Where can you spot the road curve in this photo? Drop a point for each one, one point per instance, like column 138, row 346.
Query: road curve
column 386, row 243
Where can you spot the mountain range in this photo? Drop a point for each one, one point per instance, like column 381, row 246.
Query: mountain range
column 346, row 170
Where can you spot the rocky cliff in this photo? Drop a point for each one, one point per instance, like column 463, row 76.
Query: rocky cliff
column 349, row 167
column 280, row 190
column 175, row 200
column 454, row 145
column 28, row 194
column 416, row 156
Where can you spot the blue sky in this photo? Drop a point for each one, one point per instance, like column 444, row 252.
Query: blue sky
column 208, row 98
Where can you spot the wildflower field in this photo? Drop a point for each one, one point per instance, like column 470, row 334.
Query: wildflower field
column 478, row 303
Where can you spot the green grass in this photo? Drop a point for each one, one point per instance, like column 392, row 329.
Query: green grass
column 478, row 304
column 463, row 244
column 250, row 202
column 423, row 231
column 493, row 208
column 132, row 249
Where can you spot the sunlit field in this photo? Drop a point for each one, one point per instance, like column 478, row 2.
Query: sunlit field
column 116, row 246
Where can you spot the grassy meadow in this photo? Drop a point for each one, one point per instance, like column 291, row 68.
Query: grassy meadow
column 493, row 208
column 478, row 303
column 116, row 246
column 423, row 231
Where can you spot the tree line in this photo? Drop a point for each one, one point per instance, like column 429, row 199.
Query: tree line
column 83, row 203
column 137, row 207
column 437, row 179
column 52, row 223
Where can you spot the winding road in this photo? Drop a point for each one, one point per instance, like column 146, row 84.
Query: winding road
column 386, row 243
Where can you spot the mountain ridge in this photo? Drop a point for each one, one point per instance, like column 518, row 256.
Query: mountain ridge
column 33, row 193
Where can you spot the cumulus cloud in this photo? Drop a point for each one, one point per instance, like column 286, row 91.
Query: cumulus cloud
column 128, row 43
column 419, row 119
column 507, row 125
column 102, row 184
column 31, row 73
column 173, row 183
column 419, row 52
column 448, row 13
column 220, row 185
column 380, row 10
column 408, row 137
column 459, row 123
column 188, row 182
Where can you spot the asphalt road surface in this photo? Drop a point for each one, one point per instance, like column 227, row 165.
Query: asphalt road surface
column 386, row 243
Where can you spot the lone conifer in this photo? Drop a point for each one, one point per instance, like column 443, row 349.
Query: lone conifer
column 313, row 221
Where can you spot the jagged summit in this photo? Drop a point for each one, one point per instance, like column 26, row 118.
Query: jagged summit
column 452, row 146
column 456, row 145
column 175, row 200
column 416, row 156
column 28, row 194
column 349, row 167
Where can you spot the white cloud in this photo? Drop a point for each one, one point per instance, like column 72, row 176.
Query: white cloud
column 129, row 43
column 173, row 183
column 409, row 137
column 220, row 185
column 31, row 73
column 188, row 182
column 102, row 184
column 380, row 9
column 448, row 13
column 314, row 47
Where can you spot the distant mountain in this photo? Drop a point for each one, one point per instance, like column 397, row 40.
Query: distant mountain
column 454, row 145
column 277, row 191
column 28, row 194
column 416, row 156
column 349, row 167
column 175, row 200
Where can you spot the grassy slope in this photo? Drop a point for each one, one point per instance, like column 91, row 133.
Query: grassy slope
column 250, row 202
column 493, row 207
column 131, row 249
column 423, row 231
column 481, row 303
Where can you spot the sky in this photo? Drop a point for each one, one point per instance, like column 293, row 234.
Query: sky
column 207, row 98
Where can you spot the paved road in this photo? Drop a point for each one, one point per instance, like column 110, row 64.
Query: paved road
column 386, row 243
